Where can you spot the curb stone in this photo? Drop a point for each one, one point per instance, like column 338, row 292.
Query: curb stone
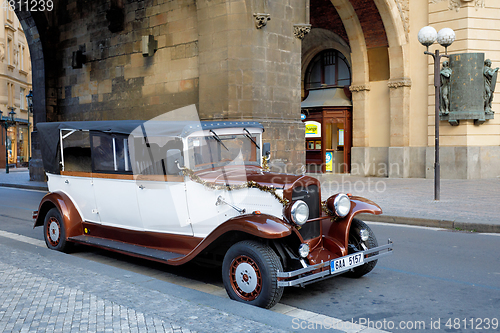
column 27, row 187
column 435, row 223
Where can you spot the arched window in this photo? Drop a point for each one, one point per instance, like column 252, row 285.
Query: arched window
column 328, row 69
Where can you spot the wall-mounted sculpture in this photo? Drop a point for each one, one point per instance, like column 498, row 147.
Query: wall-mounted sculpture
column 467, row 86
column 445, row 88
column 490, row 81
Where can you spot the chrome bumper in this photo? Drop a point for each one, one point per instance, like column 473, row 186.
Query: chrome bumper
column 303, row 276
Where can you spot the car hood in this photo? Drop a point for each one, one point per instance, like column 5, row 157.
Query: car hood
column 234, row 175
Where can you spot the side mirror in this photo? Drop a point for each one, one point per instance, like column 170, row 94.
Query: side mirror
column 266, row 150
column 174, row 161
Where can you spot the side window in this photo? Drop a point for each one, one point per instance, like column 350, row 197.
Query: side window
column 76, row 151
column 110, row 153
column 150, row 155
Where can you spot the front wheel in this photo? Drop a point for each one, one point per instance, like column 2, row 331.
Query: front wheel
column 357, row 244
column 249, row 273
column 54, row 231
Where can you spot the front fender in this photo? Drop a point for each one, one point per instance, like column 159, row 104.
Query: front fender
column 70, row 215
column 338, row 230
column 260, row 225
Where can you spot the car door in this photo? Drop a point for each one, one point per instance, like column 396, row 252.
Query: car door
column 114, row 184
column 161, row 196
column 76, row 174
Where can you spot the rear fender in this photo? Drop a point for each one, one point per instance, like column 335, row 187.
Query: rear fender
column 70, row 215
column 337, row 231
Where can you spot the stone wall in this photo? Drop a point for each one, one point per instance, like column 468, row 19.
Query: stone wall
column 210, row 53
column 117, row 81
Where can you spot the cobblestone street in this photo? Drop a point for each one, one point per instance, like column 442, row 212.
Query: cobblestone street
column 51, row 292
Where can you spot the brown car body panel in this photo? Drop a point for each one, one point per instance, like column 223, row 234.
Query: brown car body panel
column 70, row 215
column 235, row 175
column 261, row 225
column 337, row 232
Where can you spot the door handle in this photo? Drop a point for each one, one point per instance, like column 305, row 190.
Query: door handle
column 141, row 187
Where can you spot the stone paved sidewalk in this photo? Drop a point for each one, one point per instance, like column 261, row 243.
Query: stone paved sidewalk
column 52, row 292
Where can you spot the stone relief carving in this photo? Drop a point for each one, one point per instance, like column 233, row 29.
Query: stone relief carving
column 261, row 19
column 359, row 87
column 490, row 80
column 479, row 4
column 404, row 11
column 399, row 83
column 445, row 90
column 16, row 55
column 2, row 51
column 455, row 4
column 301, row 30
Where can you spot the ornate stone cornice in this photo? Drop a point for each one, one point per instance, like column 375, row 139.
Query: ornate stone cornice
column 398, row 83
column 301, row 30
column 261, row 19
column 360, row 87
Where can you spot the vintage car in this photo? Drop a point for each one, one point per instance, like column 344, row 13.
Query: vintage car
column 179, row 191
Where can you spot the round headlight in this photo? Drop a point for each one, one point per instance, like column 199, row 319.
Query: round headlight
column 299, row 212
column 364, row 234
column 303, row 250
column 342, row 205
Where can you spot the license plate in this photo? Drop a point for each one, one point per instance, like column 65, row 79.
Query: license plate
column 344, row 263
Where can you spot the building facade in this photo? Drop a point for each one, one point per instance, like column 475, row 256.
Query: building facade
column 392, row 86
column 15, row 84
column 355, row 67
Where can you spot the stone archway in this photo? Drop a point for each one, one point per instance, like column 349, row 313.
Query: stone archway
column 37, row 32
column 392, row 13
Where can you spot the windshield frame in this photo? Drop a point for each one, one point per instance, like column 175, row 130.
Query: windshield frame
column 223, row 134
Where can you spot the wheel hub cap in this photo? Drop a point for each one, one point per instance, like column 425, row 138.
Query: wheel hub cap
column 246, row 277
column 54, row 231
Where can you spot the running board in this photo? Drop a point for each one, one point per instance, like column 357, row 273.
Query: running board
column 126, row 248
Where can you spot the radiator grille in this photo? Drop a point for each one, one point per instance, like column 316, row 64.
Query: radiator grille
column 310, row 195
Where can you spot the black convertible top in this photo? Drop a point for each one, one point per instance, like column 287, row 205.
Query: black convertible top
column 49, row 133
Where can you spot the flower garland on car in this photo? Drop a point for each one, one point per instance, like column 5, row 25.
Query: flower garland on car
column 248, row 184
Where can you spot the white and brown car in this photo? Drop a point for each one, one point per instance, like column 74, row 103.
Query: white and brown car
column 173, row 192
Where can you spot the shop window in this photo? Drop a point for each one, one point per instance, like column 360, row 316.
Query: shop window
column 328, row 69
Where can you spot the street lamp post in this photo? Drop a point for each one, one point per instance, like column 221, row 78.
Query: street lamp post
column 29, row 99
column 427, row 36
column 8, row 122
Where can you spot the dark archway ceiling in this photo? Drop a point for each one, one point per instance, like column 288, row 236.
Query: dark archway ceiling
column 323, row 15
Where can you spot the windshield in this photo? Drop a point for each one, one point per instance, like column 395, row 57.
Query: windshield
column 237, row 149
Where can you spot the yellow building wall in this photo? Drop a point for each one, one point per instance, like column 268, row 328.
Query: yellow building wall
column 379, row 126
column 476, row 30
column 419, row 17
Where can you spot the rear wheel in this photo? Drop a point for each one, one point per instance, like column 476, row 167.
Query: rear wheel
column 357, row 244
column 249, row 273
column 54, row 231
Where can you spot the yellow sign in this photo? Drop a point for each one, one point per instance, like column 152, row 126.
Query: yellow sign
column 312, row 129
column 329, row 161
